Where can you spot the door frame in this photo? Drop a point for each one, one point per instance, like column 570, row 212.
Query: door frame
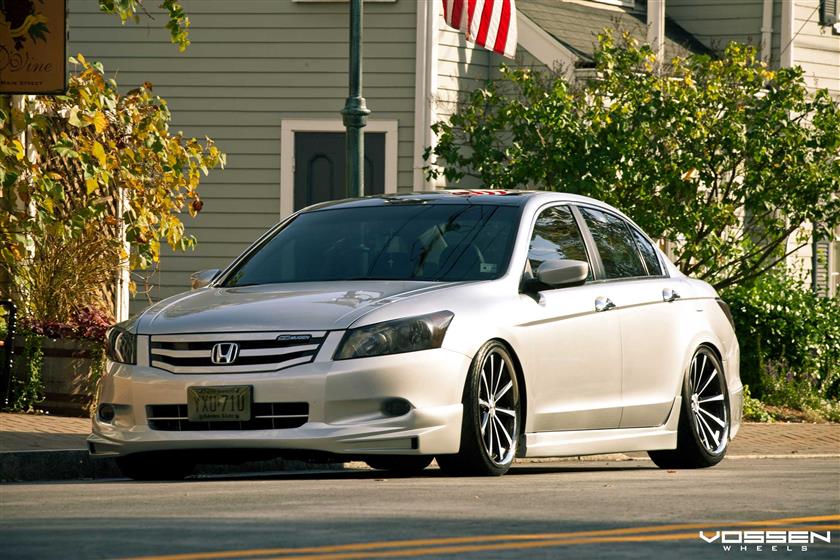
column 288, row 127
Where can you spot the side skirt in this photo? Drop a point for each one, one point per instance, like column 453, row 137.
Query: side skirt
column 593, row 442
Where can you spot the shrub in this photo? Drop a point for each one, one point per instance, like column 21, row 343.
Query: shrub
column 703, row 152
column 790, row 343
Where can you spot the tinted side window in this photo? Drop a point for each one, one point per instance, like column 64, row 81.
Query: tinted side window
column 615, row 244
column 556, row 236
column 648, row 254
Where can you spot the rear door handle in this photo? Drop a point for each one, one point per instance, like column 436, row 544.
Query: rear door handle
column 669, row 295
column 603, row 304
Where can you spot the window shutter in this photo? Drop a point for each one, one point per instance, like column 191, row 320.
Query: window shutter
column 822, row 274
column 829, row 10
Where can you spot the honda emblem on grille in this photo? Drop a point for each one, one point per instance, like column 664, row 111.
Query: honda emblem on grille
column 224, row 353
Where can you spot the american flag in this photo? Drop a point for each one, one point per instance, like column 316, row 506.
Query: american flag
column 488, row 23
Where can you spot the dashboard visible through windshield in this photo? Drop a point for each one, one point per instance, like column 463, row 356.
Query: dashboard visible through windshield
column 445, row 242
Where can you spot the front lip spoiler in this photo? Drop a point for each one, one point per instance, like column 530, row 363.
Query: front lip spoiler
column 430, row 430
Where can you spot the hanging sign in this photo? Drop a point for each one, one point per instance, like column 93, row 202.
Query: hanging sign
column 32, row 46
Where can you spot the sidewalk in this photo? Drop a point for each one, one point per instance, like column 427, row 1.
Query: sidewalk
column 34, row 447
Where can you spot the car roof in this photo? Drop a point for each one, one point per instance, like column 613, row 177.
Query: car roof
column 496, row 197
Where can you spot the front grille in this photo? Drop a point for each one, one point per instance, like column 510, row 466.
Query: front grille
column 257, row 352
column 264, row 416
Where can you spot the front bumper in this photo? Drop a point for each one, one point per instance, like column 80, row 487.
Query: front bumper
column 732, row 367
column 344, row 399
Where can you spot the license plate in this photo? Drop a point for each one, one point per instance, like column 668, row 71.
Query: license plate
column 208, row 404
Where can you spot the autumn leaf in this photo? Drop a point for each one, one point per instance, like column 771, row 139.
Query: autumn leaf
column 99, row 153
column 73, row 117
column 91, row 185
column 100, row 123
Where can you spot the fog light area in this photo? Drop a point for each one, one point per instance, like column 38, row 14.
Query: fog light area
column 106, row 412
column 395, row 407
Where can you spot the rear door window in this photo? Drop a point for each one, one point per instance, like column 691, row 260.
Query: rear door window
column 654, row 268
column 615, row 242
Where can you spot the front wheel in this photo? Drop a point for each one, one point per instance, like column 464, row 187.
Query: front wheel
column 491, row 422
column 703, row 431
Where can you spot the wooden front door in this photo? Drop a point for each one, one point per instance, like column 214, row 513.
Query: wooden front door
column 319, row 166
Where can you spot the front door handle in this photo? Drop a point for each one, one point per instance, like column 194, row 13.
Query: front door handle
column 670, row 295
column 603, row 304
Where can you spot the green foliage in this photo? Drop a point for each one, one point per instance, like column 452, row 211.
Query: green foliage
column 27, row 388
column 723, row 157
column 790, row 348
column 94, row 147
column 754, row 409
column 789, row 336
column 177, row 22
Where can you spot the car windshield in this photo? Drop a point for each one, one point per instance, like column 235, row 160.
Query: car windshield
column 444, row 242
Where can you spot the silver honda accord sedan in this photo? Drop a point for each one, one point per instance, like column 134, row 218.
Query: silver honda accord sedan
column 468, row 326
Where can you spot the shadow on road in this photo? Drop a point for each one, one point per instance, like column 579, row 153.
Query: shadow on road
column 369, row 474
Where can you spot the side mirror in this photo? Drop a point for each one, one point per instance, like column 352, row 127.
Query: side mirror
column 203, row 278
column 561, row 273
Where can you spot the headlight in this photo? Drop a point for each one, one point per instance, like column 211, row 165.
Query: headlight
column 395, row 337
column 121, row 346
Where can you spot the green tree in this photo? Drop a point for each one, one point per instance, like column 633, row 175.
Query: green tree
column 177, row 21
column 94, row 147
column 723, row 157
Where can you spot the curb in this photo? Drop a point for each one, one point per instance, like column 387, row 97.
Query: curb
column 77, row 464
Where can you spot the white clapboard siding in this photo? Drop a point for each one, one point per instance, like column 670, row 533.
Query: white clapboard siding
column 816, row 48
column 463, row 69
column 716, row 23
column 251, row 64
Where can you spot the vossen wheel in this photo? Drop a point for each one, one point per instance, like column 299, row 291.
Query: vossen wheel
column 703, row 431
column 492, row 416
column 155, row 466
column 400, row 464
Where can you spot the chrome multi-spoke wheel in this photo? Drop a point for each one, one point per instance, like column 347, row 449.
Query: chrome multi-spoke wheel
column 491, row 422
column 708, row 402
column 497, row 409
column 703, row 432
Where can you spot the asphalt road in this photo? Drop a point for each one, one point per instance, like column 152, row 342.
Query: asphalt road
column 548, row 510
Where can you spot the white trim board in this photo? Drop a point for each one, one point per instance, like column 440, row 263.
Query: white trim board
column 543, row 46
column 288, row 127
column 425, row 88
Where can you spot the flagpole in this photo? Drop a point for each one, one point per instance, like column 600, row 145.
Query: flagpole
column 355, row 112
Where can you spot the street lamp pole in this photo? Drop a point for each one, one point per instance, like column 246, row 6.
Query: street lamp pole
column 355, row 112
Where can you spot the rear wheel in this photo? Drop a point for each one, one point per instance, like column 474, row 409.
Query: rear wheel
column 491, row 422
column 155, row 466
column 400, row 464
column 703, row 432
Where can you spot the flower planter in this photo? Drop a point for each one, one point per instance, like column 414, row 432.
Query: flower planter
column 67, row 374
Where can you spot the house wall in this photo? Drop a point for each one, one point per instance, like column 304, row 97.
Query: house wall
column 462, row 69
column 816, row 48
column 716, row 23
column 253, row 63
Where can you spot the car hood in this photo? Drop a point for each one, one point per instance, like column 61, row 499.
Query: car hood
column 276, row 307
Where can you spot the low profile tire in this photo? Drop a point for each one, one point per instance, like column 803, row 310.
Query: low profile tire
column 155, row 466
column 703, row 431
column 492, row 416
column 400, row 464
